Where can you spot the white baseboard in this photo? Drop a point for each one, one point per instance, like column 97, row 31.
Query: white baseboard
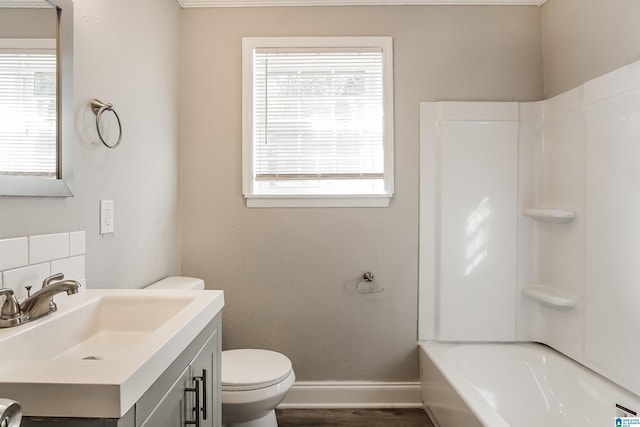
column 350, row 394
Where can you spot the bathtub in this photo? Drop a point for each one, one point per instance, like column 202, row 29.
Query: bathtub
column 515, row 385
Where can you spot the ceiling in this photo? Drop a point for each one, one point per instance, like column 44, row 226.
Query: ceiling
column 257, row 3
column 260, row 3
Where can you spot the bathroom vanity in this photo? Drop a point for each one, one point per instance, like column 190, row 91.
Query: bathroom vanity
column 177, row 400
column 118, row 358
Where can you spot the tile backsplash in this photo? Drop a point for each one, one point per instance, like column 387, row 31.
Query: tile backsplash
column 28, row 260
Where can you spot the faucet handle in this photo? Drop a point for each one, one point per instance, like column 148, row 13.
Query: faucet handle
column 10, row 308
column 47, row 281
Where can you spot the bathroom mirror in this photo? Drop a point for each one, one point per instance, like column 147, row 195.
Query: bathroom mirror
column 36, row 97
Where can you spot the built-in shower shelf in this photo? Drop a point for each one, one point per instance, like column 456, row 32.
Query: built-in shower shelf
column 548, row 296
column 549, row 214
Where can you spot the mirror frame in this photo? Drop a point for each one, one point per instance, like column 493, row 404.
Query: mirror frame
column 62, row 185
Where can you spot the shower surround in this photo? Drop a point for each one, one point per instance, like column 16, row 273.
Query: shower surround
column 528, row 217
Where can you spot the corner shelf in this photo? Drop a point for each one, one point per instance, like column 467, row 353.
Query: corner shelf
column 549, row 214
column 548, row 296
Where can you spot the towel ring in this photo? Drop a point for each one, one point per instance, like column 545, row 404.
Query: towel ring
column 100, row 107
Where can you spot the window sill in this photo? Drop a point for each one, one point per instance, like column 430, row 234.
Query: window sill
column 347, row 201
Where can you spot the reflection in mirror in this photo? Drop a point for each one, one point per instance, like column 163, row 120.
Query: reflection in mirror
column 36, row 99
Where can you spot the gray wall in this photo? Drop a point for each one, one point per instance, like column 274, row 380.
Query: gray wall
column 289, row 274
column 28, row 23
column 583, row 39
column 126, row 53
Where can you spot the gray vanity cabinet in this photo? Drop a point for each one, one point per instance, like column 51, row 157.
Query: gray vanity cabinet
column 205, row 370
column 193, row 394
column 171, row 399
column 171, row 410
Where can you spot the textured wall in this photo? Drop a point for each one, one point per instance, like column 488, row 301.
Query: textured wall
column 28, row 23
column 289, row 274
column 583, row 39
column 126, row 53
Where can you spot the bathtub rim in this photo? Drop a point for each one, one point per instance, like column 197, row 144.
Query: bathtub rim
column 486, row 414
column 436, row 351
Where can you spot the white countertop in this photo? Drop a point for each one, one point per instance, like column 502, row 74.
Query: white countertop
column 37, row 370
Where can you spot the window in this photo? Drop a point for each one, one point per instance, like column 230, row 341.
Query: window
column 317, row 121
column 28, row 125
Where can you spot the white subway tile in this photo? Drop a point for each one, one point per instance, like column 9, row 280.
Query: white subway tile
column 18, row 278
column 77, row 245
column 48, row 247
column 14, row 253
column 73, row 268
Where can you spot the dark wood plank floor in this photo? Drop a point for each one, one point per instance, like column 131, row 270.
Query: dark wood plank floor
column 352, row 418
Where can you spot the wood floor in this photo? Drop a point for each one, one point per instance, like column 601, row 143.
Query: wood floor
column 352, row 418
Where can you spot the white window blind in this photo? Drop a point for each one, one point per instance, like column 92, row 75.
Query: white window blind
column 318, row 123
column 28, row 126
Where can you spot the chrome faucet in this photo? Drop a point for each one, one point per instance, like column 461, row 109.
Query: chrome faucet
column 47, row 281
column 37, row 305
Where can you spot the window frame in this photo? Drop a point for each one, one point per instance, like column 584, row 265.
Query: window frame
column 253, row 199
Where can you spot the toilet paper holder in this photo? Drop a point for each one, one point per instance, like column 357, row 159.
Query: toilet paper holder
column 368, row 279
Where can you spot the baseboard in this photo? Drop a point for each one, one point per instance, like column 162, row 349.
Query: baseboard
column 348, row 394
column 432, row 418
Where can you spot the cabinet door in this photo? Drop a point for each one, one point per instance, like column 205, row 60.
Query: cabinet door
column 205, row 368
column 171, row 410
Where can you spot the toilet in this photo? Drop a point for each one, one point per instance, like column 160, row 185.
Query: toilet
column 254, row 381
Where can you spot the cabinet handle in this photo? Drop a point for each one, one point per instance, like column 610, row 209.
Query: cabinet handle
column 196, row 410
column 203, row 378
column 204, row 394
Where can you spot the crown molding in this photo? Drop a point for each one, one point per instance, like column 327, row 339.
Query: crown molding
column 292, row 3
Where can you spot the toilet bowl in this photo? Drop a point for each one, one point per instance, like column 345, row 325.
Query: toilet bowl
column 254, row 381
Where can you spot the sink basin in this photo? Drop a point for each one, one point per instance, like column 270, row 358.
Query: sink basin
column 101, row 329
column 101, row 350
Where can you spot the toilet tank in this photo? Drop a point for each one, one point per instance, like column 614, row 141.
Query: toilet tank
column 178, row 282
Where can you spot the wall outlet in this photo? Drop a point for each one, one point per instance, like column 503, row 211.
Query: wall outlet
column 106, row 216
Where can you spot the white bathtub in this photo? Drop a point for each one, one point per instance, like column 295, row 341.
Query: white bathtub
column 515, row 385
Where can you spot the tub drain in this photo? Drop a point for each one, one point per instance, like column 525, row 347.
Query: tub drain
column 92, row 358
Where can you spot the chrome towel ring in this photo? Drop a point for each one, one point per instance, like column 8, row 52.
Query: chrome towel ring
column 100, row 107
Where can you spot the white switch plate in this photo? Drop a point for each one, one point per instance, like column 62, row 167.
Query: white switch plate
column 106, row 216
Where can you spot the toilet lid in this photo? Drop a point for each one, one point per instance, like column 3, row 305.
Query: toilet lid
column 249, row 369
